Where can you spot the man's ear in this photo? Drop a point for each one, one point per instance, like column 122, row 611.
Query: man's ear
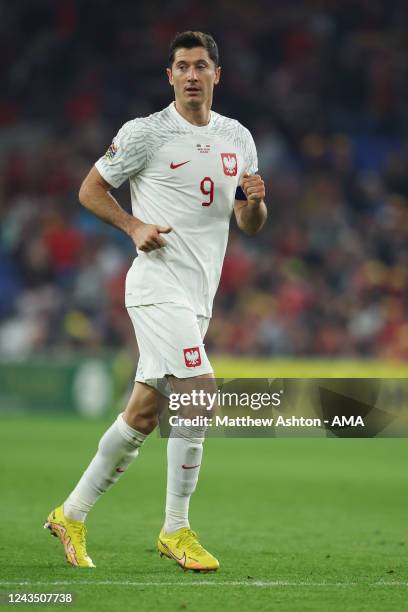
column 169, row 75
column 217, row 75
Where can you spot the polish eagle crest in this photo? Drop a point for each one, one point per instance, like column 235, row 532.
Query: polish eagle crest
column 192, row 357
column 229, row 163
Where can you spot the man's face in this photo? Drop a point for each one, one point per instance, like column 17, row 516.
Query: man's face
column 193, row 76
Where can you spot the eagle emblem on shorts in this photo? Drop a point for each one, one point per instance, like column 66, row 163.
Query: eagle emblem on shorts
column 192, row 357
column 229, row 163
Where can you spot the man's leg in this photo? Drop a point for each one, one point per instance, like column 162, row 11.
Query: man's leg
column 170, row 338
column 116, row 450
column 184, row 455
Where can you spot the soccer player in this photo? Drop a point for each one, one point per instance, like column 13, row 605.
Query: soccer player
column 188, row 169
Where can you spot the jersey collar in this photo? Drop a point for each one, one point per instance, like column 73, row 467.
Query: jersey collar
column 187, row 124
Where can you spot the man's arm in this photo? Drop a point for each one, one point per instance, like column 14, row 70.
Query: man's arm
column 251, row 214
column 95, row 195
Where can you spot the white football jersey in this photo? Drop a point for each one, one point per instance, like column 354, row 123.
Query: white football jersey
column 183, row 176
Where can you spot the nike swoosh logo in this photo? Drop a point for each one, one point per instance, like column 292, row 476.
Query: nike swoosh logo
column 174, row 166
column 182, row 559
column 190, row 467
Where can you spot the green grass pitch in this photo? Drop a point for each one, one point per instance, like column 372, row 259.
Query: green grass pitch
column 298, row 524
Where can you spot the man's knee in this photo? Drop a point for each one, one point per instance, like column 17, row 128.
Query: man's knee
column 202, row 391
column 144, row 424
column 143, row 408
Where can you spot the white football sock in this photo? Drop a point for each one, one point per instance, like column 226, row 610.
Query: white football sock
column 116, row 450
column 184, row 454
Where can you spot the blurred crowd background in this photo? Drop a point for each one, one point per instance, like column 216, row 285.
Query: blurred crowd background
column 322, row 85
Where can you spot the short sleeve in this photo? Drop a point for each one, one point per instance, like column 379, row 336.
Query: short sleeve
column 126, row 155
column 250, row 154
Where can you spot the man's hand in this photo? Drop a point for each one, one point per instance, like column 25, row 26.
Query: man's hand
column 251, row 213
column 95, row 195
column 254, row 188
column 147, row 237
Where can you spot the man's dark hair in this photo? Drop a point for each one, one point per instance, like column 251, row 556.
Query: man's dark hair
column 189, row 40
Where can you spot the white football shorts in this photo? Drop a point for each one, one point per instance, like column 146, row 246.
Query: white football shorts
column 170, row 339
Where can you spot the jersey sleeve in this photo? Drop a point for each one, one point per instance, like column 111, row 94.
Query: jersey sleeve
column 126, row 155
column 250, row 164
column 250, row 154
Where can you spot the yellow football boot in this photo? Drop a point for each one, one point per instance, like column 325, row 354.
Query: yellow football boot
column 72, row 536
column 184, row 547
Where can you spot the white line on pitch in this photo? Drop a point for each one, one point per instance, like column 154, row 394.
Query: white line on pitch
column 216, row 583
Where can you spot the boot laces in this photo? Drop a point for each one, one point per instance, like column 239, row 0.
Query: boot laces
column 189, row 539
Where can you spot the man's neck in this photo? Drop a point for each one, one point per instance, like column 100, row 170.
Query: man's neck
column 197, row 116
